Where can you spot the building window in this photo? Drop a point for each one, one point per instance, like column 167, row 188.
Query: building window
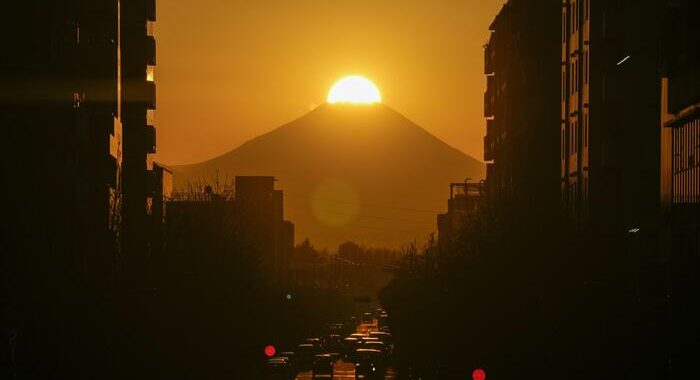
column 571, row 78
column 585, row 67
column 561, row 145
column 585, row 129
column 150, row 73
column 576, row 133
column 563, row 84
column 151, row 117
column 150, row 28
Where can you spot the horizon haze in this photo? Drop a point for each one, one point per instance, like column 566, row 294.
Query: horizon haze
column 349, row 172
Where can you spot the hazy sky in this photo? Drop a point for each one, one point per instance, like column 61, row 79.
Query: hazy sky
column 230, row 70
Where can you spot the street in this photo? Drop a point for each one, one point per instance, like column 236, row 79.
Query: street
column 343, row 370
column 346, row 370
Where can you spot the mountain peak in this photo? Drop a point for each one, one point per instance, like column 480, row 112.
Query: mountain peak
column 350, row 160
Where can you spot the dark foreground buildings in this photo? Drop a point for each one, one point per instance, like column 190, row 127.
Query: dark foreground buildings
column 247, row 220
column 520, row 149
column 138, row 116
column 680, row 180
column 72, row 84
column 624, row 137
column 610, row 54
column 466, row 199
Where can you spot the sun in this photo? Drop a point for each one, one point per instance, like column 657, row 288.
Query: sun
column 354, row 89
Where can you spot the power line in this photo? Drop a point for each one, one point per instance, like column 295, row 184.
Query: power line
column 366, row 204
column 370, row 216
column 386, row 229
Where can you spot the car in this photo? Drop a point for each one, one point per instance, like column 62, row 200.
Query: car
column 305, row 355
column 337, row 328
column 377, row 345
column 383, row 321
column 366, row 339
column 369, row 364
column 316, row 342
column 381, row 335
column 291, row 356
column 279, row 368
column 350, row 344
column 323, row 366
column 332, row 343
column 334, row 355
column 367, row 318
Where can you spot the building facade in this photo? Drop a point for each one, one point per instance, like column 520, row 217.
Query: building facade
column 466, row 199
column 261, row 209
column 139, row 133
column 520, row 146
column 250, row 216
column 680, row 179
column 610, row 53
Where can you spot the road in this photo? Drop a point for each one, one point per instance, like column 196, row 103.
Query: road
column 343, row 370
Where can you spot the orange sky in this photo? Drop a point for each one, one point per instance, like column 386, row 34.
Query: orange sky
column 229, row 70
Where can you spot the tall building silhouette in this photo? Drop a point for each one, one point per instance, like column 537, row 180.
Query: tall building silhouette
column 520, row 106
column 76, row 101
column 250, row 217
column 680, row 179
column 261, row 210
column 61, row 118
column 138, row 116
column 609, row 130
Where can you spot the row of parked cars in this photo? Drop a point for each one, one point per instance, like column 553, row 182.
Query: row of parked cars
column 370, row 352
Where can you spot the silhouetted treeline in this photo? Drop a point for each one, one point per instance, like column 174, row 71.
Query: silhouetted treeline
column 526, row 300
column 368, row 255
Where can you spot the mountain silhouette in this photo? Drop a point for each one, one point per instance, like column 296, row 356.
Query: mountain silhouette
column 349, row 172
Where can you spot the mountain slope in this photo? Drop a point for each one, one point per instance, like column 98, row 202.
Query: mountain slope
column 350, row 172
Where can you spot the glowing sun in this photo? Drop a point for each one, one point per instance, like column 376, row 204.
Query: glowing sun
column 354, row 89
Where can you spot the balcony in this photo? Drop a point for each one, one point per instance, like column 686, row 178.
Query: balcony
column 150, row 8
column 489, row 143
column 489, row 57
column 488, row 148
column 149, row 142
column 488, row 105
column 150, row 50
column 489, row 96
column 112, row 172
column 149, row 95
